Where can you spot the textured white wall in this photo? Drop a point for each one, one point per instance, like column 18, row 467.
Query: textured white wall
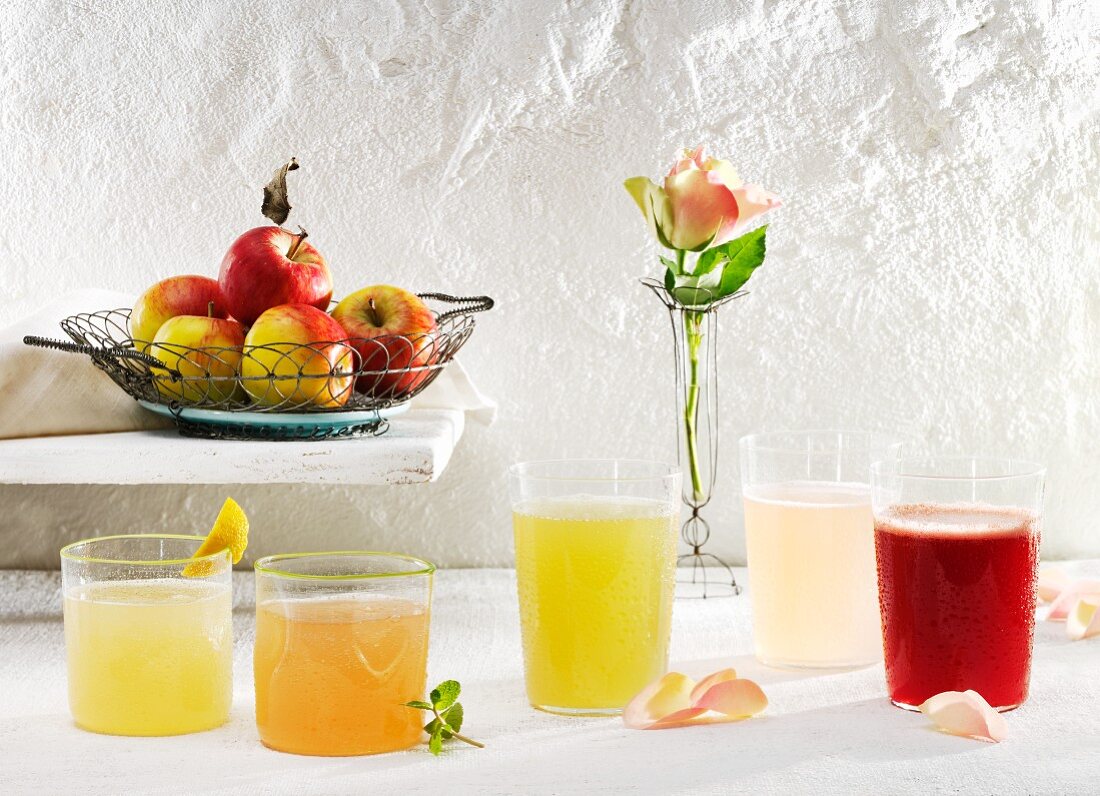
column 934, row 268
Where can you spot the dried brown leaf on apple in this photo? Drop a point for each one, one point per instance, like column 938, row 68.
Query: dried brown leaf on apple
column 276, row 205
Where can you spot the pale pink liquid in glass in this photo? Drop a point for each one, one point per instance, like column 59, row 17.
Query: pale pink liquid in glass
column 811, row 555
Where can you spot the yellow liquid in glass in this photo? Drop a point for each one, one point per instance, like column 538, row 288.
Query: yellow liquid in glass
column 333, row 674
column 596, row 578
column 149, row 657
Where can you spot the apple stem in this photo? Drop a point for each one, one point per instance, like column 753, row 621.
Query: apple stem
column 301, row 236
column 210, row 309
column 373, row 312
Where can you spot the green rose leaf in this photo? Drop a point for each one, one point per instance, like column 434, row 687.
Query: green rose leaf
column 694, row 291
column 743, row 256
column 709, row 259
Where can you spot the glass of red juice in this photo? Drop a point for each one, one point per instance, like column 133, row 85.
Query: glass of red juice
column 957, row 548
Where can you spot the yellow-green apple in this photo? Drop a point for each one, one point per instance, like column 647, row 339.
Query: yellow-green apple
column 392, row 330
column 269, row 266
column 294, row 355
column 176, row 295
column 205, row 351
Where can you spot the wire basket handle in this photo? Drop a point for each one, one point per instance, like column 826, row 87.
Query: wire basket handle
column 96, row 352
column 466, row 305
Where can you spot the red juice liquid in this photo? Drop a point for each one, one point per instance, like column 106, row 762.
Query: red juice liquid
column 957, row 595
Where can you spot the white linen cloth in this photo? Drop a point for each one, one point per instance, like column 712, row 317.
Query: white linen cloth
column 45, row 392
column 824, row 732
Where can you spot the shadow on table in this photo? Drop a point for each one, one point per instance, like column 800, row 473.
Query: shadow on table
column 749, row 667
column 1050, row 634
column 49, row 750
column 602, row 750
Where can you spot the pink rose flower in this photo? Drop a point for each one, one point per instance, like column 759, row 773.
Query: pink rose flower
column 703, row 202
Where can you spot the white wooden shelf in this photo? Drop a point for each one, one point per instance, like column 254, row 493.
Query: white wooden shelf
column 415, row 450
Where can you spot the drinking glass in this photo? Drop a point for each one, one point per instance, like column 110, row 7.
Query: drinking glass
column 810, row 543
column 341, row 645
column 957, row 542
column 595, row 566
column 149, row 647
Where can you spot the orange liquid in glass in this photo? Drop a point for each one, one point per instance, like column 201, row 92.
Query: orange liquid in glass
column 333, row 674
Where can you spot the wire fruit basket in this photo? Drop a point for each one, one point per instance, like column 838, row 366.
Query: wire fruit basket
column 321, row 390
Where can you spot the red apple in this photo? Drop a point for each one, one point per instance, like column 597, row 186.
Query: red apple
column 391, row 329
column 206, row 351
column 293, row 356
column 176, row 295
column 269, row 266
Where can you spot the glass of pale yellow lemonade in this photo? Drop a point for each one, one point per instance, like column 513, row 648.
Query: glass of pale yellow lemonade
column 809, row 535
column 149, row 650
column 341, row 646
column 595, row 566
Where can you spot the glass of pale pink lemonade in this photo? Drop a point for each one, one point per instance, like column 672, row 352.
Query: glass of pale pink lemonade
column 957, row 541
column 809, row 533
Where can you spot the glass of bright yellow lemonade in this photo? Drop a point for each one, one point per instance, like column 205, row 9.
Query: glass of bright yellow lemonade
column 595, row 567
column 341, row 646
column 149, row 646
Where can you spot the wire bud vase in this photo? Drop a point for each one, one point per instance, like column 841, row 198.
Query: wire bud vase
column 694, row 316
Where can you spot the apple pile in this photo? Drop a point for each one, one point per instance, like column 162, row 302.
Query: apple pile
column 262, row 328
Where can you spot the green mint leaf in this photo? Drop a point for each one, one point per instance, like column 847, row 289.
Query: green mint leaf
column 454, row 717
column 445, row 694
column 448, row 716
column 743, row 256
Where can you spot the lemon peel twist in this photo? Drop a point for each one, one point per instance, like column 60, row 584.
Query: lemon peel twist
column 229, row 532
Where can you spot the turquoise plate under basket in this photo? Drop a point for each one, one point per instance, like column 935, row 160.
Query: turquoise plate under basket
column 320, row 421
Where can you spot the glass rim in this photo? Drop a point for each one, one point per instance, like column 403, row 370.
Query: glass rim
column 1017, row 468
column 263, row 565
column 520, row 470
column 66, row 551
column 754, row 440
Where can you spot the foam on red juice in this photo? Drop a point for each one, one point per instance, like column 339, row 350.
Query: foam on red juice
column 957, row 595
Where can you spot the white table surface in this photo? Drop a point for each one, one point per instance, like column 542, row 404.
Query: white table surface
column 414, row 450
column 824, row 732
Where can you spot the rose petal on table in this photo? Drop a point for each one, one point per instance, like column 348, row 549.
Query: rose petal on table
column 676, row 700
column 1064, row 602
column 658, row 700
column 967, row 714
column 1083, row 620
column 736, row 699
column 705, row 684
column 680, row 718
column 1051, row 583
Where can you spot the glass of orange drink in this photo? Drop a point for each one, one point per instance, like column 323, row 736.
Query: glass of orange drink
column 341, row 646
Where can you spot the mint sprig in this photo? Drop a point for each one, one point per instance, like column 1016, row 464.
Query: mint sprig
column 448, row 714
